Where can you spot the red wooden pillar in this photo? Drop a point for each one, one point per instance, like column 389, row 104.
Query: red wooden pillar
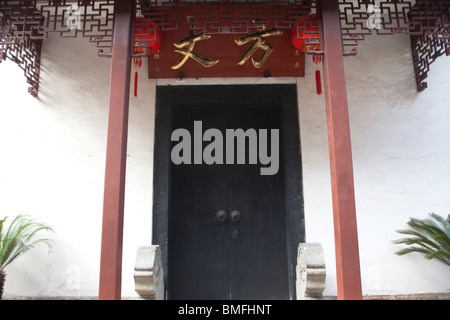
column 344, row 212
column 116, row 153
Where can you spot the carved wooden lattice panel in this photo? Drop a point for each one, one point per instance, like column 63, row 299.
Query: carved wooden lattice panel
column 37, row 19
column 225, row 17
column 426, row 21
column 25, row 23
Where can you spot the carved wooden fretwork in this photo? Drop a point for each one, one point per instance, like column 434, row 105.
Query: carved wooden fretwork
column 25, row 23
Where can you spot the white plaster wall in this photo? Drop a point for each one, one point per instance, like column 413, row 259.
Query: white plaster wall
column 401, row 158
column 53, row 154
column 52, row 167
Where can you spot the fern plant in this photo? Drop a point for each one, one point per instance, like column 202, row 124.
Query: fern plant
column 20, row 236
column 431, row 237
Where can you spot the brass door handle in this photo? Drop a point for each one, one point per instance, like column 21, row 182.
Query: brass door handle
column 235, row 215
column 221, row 215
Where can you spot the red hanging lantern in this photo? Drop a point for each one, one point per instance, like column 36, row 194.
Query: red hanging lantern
column 148, row 31
column 308, row 28
column 305, row 28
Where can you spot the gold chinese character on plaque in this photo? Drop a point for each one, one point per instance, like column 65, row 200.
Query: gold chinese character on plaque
column 186, row 46
column 259, row 43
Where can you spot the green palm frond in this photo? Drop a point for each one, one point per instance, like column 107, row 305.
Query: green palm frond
column 1, row 228
column 428, row 237
column 20, row 237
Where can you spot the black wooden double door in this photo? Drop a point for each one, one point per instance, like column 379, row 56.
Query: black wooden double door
column 227, row 223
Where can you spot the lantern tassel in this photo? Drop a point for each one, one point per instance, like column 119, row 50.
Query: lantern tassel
column 318, row 82
column 137, row 63
column 318, row 59
column 135, row 83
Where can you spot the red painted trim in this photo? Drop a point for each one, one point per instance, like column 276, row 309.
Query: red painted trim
column 344, row 211
column 112, row 228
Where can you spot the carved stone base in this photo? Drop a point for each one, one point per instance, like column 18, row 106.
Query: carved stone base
column 149, row 283
column 311, row 271
column 148, row 273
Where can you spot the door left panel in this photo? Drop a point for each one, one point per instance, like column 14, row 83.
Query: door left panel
column 198, row 245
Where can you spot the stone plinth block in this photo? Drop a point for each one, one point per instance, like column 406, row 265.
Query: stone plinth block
column 311, row 271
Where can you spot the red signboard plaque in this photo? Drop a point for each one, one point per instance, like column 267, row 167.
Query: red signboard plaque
column 264, row 50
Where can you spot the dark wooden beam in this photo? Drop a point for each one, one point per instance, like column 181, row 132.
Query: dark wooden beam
column 116, row 154
column 344, row 211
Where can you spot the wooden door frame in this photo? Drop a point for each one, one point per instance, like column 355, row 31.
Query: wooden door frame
column 286, row 94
